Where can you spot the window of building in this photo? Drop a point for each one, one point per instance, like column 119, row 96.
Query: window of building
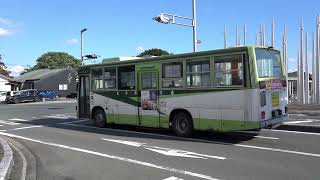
column 127, row 80
column 63, row 87
column 97, row 78
column 228, row 70
column 172, row 75
column 198, row 73
column 110, row 78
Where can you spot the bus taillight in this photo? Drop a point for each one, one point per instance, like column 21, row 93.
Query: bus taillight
column 263, row 115
column 262, row 85
column 284, row 83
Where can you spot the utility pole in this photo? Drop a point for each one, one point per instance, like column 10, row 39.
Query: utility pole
column 225, row 36
column 194, row 23
column 306, row 76
column 244, row 34
column 272, row 33
column 301, row 74
column 317, row 58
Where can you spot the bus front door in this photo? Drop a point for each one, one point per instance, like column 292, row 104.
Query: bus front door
column 84, row 97
column 149, row 98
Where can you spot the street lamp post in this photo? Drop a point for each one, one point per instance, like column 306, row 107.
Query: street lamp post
column 167, row 18
column 81, row 44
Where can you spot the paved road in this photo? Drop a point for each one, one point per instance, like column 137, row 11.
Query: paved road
column 69, row 148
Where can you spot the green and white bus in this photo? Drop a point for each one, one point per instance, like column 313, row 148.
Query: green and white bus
column 240, row 88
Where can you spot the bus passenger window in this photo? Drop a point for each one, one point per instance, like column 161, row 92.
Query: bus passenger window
column 97, row 79
column 172, row 75
column 198, row 73
column 127, row 79
column 110, row 78
column 228, row 70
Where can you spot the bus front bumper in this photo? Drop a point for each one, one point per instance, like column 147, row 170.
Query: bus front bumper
column 273, row 123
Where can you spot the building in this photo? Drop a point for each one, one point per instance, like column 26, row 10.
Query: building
column 62, row 81
column 4, row 80
column 292, row 85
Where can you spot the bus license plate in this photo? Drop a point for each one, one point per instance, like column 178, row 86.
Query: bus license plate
column 275, row 99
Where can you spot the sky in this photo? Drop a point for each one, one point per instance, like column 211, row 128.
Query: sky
column 125, row 27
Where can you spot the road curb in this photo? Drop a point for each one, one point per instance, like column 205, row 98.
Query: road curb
column 7, row 160
column 304, row 128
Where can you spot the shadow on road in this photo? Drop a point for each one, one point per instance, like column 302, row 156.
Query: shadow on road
column 142, row 132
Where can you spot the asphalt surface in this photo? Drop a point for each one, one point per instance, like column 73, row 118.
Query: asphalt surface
column 69, row 148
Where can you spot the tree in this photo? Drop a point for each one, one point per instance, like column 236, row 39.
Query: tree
column 54, row 60
column 3, row 69
column 153, row 52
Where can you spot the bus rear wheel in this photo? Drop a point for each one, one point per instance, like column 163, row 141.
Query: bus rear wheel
column 182, row 125
column 99, row 118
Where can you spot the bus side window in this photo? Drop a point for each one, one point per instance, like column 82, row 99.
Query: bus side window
column 198, row 73
column 126, row 75
column 110, row 78
column 172, row 75
column 97, row 79
column 228, row 70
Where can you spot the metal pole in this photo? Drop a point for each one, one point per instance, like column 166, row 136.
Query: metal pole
column 237, row 36
column 81, row 46
column 313, row 71
column 272, row 33
column 194, row 17
column 257, row 39
column 263, row 35
column 301, row 78
column 306, row 77
column 298, row 75
column 317, row 58
column 225, row 36
column 244, row 34
column 260, row 35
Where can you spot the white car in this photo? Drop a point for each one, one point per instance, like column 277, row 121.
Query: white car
column 3, row 96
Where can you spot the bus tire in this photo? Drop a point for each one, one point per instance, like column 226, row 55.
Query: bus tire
column 182, row 125
column 99, row 118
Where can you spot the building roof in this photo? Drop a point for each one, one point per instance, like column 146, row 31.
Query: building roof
column 5, row 77
column 295, row 74
column 36, row 75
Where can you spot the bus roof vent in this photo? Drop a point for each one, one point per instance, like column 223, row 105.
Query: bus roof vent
column 117, row 59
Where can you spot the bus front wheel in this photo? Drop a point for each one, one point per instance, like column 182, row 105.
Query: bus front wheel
column 99, row 118
column 182, row 125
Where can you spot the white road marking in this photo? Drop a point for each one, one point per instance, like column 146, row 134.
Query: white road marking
column 278, row 150
column 27, row 127
column 172, row 178
column 130, row 143
column 8, row 123
column 266, row 137
column 142, row 163
column 299, row 121
column 166, row 151
column 17, row 119
column 297, row 115
column 295, row 132
column 208, row 141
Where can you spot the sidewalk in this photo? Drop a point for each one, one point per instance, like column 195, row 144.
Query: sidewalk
column 303, row 117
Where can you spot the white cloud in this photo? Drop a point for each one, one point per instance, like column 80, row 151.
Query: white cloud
column 292, row 60
column 140, row 49
column 5, row 32
column 72, row 41
column 16, row 70
column 8, row 27
column 292, row 70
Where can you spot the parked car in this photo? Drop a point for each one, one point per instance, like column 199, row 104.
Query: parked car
column 48, row 94
column 3, row 96
column 24, row 96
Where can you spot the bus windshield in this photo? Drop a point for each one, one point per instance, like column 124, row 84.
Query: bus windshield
column 268, row 63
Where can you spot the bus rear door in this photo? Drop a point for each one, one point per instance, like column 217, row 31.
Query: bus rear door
column 149, row 98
